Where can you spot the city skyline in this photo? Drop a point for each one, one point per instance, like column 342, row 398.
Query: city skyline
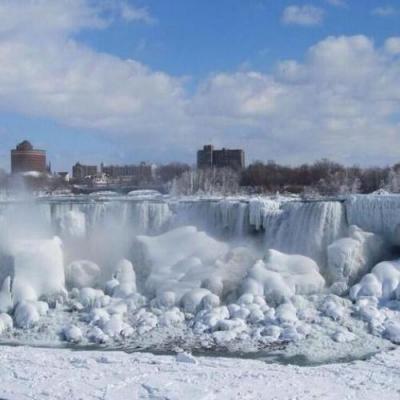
column 129, row 81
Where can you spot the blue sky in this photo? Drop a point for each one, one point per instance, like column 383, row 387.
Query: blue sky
column 152, row 80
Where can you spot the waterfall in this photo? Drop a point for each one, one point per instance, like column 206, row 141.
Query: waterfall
column 376, row 213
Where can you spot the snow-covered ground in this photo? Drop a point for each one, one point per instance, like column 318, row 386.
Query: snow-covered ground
column 33, row 373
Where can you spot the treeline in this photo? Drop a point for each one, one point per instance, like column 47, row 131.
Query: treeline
column 322, row 177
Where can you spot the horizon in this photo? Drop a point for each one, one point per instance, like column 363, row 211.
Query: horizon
column 129, row 81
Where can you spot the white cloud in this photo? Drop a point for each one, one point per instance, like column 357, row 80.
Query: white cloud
column 385, row 11
column 392, row 45
column 306, row 15
column 342, row 103
column 130, row 13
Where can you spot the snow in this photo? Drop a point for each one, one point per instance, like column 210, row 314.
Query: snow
column 26, row 372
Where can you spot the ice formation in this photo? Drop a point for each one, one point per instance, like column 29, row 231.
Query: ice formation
column 219, row 272
column 352, row 257
column 38, row 269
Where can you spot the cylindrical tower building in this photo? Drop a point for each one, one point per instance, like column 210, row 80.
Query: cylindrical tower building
column 25, row 158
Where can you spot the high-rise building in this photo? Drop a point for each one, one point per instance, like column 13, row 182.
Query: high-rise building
column 25, row 158
column 208, row 157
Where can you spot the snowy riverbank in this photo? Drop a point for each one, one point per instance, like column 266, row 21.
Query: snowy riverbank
column 33, row 373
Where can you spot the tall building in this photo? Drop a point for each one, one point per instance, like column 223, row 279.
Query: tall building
column 81, row 171
column 25, row 158
column 208, row 157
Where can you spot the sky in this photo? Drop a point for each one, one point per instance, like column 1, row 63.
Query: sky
column 125, row 81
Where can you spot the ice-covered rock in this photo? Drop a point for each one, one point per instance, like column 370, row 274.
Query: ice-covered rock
column 125, row 275
column 382, row 282
column 392, row 332
column 72, row 334
column 280, row 276
column 6, row 322
column 26, row 315
column 185, row 259
column 171, row 317
column 90, row 297
column 352, row 257
column 82, row 273
column 191, row 300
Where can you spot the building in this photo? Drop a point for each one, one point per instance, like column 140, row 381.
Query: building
column 139, row 173
column 25, row 158
column 208, row 157
column 81, row 171
column 63, row 175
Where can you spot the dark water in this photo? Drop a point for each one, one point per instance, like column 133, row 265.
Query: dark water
column 275, row 354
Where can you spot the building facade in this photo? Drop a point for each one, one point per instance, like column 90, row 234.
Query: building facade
column 141, row 173
column 208, row 157
column 81, row 171
column 24, row 158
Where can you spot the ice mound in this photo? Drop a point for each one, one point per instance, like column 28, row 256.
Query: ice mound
column 352, row 257
column 82, row 273
column 124, row 282
column 383, row 283
column 38, row 269
column 179, row 260
column 280, row 276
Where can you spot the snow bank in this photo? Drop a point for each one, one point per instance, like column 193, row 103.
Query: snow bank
column 352, row 257
column 280, row 276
